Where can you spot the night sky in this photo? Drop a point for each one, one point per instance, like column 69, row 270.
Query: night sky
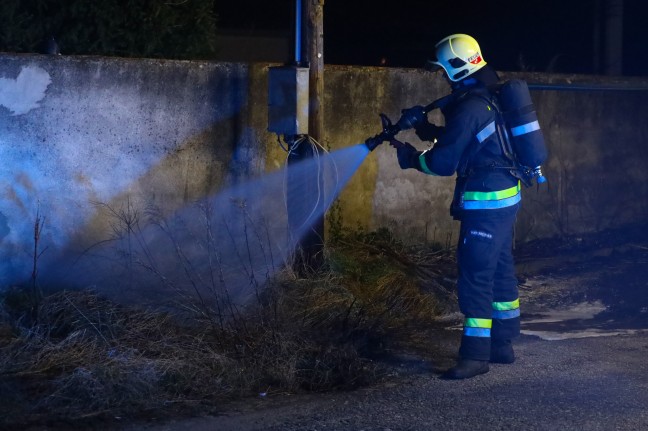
column 534, row 35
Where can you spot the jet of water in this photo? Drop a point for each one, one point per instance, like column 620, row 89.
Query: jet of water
column 229, row 244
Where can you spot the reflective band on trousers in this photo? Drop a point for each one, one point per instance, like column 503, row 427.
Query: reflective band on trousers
column 474, row 327
column 506, row 310
column 525, row 128
column 510, row 314
column 492, row 200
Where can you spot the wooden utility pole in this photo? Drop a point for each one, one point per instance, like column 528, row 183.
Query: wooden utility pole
column 314, row 19
column 309, row 191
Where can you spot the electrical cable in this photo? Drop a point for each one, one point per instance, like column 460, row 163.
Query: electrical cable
column 281, row 144
column 316, row 149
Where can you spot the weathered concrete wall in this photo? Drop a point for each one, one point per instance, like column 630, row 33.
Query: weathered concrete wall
column 597, row 165
column 413, row 205
column 82, row 134
column 596, row 170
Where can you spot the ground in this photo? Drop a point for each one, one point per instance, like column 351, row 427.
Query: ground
column 580, row 359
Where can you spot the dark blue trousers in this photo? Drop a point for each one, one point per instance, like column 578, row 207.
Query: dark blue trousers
column 488, row 293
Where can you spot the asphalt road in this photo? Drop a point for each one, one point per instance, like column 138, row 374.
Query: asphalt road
column 582, row 365
column 595, row 383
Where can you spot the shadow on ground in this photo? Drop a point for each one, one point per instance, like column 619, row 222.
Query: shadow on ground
column 571, row 372
column 594, row 284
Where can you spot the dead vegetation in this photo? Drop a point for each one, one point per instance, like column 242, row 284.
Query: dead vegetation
column 78, row 356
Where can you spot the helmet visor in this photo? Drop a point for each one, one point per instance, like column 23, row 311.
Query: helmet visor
column 457, row 63
column 433, row 66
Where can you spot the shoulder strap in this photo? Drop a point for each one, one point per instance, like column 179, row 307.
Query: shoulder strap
column 482, row 136
column 499, row 128
column 502, row 131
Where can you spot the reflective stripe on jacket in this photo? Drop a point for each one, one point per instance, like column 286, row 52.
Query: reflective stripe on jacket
column 469, row 144
column 492, row 200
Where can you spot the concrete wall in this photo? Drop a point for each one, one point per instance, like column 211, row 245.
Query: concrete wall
column 80, row 134
column 598, row 148
column 598, row 143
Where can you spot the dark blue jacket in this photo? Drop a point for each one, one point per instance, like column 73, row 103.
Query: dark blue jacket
column 483, row 180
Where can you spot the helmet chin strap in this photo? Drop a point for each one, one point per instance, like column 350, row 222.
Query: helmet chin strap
column 486, row 75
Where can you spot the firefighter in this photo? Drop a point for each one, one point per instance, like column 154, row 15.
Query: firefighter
column 486, row 200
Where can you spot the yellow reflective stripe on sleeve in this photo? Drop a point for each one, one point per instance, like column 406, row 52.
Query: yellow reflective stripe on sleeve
column 505, row 306
column 492, row 196
column 473, row 322
column 424, row 166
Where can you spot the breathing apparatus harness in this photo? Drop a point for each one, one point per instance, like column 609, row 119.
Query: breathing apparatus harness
column 518, row 131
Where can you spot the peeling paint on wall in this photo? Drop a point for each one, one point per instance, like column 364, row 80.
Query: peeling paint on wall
column 152, row 132
column 24, row 93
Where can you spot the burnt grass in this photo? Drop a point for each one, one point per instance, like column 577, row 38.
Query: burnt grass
column 73, row 359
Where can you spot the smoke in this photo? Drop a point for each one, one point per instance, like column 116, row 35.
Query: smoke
column 230, row 243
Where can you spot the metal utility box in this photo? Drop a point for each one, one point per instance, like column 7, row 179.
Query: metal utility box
column 288, row 100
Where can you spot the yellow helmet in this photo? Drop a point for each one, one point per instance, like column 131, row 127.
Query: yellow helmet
column 459, row 55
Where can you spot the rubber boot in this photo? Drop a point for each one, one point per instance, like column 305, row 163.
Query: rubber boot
column 465, row 369
column 502, row 352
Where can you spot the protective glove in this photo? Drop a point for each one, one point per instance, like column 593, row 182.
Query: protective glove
column 427, row 131
column 407, row 155
column 416, row 118
column 410, row 117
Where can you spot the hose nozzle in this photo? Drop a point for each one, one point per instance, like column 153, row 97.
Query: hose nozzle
column 388, row 132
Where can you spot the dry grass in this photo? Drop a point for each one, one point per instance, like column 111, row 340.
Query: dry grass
column 78, row 356
column 84, row 356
